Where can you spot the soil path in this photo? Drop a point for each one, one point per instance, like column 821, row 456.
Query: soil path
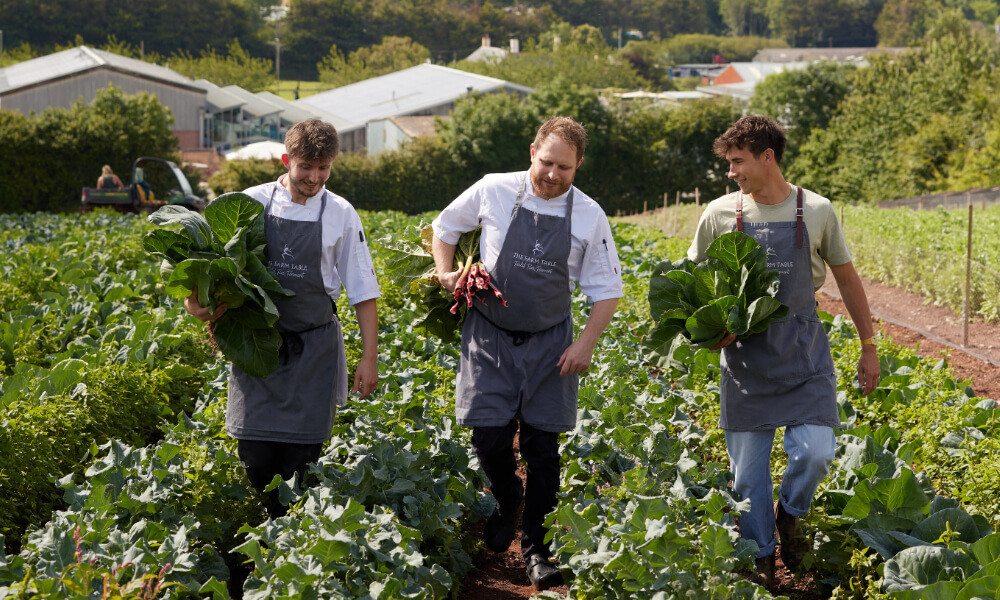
column 934, row 332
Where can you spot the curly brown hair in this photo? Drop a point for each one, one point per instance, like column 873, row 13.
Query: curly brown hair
column 754, row 133
column 565, row 129
column 312, row 139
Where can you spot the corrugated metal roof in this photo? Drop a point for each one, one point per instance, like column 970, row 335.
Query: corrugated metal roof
column 754, row 72
column 219, row 99
column 254, row 105
column 290, row 111
column 79, row 60
column 404, row 92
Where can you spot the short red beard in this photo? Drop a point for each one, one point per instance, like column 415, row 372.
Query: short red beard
column 540, row 189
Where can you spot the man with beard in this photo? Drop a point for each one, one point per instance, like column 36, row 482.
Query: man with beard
column 520, row 365
column 315, row 244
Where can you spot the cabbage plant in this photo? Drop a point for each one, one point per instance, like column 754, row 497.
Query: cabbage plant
column 223, row 256
column 733, row 290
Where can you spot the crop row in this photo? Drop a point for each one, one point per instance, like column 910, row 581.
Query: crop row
column 924, row 252
column 644, row 509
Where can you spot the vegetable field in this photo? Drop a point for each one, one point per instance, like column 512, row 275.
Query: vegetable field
column 118, row 479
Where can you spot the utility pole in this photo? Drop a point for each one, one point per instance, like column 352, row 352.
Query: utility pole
column 1, row 44
column 277, row 58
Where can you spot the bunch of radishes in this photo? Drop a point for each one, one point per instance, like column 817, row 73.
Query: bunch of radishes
column 473, row 280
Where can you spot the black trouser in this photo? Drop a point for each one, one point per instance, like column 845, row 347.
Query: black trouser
column 263, row 460
column 540, row 449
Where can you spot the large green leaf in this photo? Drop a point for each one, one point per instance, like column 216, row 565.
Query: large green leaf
column 737, row 250
column 194, row 224
column 255, row 351
column 923, row 565
column 708, row 324
column 955, row 519
column 231, row 212
column 167, row 244
column 191, row 274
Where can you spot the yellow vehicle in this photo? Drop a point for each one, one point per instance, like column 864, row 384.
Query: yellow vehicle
column 148, row 191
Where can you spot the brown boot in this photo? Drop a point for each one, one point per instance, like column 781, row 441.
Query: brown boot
column 764, row 572
column 793, row 543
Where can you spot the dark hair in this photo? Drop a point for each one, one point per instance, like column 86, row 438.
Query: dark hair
column 312, row 139
column 565, row 129
column 754, row 133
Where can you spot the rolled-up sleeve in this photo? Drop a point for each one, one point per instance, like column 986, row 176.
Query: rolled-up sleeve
column 461, row 216
column 600, row 269
column 354, row 262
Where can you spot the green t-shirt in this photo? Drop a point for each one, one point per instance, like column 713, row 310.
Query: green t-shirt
column 827, row 244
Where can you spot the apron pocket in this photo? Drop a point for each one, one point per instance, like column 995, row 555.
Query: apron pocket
column 795, row 348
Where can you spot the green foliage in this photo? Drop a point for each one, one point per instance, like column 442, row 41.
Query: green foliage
column 824, row 22
column 236, row 67
column 587, row 65
column 907, row 124
column 392, row 54
column 223, row 257
column 733, row 291
column 702, row 48
column 46, row 159
column 238, row 175
column 46, row 23
column 802, row 100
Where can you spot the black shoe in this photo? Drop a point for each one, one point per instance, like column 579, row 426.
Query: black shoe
column 542, row 573
column 764, row 572
column 792, row 543
column 502, row 525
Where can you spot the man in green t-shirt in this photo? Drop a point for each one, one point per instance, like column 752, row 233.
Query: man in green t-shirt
column 782, row 377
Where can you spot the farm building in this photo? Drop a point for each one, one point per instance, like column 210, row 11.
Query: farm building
column 60, row 79
column 423, row 90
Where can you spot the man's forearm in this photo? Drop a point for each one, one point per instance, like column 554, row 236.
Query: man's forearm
column 444, row 256
column 600, row 316
column 367, row 313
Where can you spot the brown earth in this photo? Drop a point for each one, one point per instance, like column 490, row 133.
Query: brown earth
column 935, row 332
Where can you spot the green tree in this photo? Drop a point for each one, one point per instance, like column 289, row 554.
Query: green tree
column 908, row 122
column 745, row 17
column 237, row 67
column 803, row 100
column 903, row 22
column 50, row 157
column 392, row 54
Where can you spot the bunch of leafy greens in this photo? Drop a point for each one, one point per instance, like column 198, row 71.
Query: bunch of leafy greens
column 411, row 269
column 731, row 291
column 222, row 255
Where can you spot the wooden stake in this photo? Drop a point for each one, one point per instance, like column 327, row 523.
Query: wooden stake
column 677, row 210
column 968, row 280
column 644, row 207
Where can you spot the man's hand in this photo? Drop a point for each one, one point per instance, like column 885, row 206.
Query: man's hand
column 449, row 281
column 727, row 339
column 869, row 371
column 200, row 312
column 575, row 359
column 365, row 377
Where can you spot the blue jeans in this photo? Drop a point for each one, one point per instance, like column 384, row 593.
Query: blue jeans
column 810, row 450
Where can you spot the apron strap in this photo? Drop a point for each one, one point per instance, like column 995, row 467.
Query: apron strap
column 799, row 223
column 798, row 219
column 520, row 196
column 739, row 211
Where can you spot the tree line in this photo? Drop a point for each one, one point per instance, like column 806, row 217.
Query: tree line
column 450, row 29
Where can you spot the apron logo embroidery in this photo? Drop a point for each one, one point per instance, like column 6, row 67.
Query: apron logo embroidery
column 286, row 254
column 771, row 252
column 537, row 249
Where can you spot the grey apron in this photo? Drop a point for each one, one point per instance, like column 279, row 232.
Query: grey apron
column 508, row 367
column 297, row 402
column 783, row 375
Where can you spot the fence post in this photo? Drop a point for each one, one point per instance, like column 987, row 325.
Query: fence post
column 677, row 210
column 968, row 282
column 645, row 208
column 664, row 212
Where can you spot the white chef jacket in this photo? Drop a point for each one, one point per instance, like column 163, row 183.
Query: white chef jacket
column 593, row 259
column 346, row 258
